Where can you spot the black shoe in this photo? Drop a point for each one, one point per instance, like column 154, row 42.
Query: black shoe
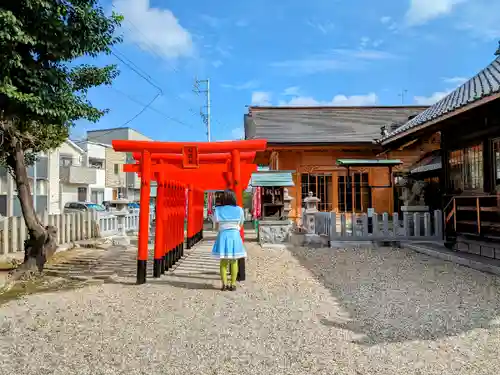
column 224, row 288
column 232, row 288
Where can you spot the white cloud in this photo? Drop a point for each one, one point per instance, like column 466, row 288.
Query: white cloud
column 155, row 29
column 261, row 98
column 430, row 100
column 216, row 63
column 422, row 11
column 435, row 97
column 481, row 19
column 248, row 85
column 364, row 42
column 455, row 80
column 338, row 100
column 337, row 59
column 291, row 91
column 385, row 19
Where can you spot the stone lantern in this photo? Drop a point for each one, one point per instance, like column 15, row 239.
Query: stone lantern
column 121, row 212
column 309, row 214
column 287, row 203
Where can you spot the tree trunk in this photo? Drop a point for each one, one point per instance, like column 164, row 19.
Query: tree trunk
column 41, row 243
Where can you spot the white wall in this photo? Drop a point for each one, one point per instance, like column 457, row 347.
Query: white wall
column 68, row 149
column 108, row 194
column 53, row 193
column 69, row 193
column 100, row 181
column 94, row 150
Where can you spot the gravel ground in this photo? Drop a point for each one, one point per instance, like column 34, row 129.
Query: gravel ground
column 300, row 311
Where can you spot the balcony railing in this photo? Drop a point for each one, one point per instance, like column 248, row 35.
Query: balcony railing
column 75, row 174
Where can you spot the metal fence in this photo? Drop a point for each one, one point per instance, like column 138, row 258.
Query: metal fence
column 418, row 226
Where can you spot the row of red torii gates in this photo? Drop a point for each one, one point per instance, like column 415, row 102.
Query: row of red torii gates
column 179, row 167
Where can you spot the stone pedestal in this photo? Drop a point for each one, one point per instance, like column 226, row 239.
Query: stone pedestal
column 410, row 210
column 274, row 231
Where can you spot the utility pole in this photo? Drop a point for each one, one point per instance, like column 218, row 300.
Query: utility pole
column 205, row 114
column 403, row 96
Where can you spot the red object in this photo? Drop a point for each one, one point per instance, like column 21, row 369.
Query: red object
column 257, row 202
column 199, row 166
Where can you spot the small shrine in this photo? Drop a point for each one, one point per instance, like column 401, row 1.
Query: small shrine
column 272, row 205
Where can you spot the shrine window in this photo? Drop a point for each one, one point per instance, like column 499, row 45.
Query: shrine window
column 320, row 184
column 466, row 169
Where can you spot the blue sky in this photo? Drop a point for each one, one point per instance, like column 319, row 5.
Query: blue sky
column 286, row 52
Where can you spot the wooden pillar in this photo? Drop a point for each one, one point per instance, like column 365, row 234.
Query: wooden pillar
column 444, row 183
column 235, row 164
column 190, row 219
column 335, row 191
column 142, row 253
column 159, row 254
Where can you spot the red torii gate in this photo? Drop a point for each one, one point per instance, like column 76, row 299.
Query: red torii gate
column 176, row 166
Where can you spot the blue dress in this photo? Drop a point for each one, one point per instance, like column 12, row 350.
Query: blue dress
column 228, row 244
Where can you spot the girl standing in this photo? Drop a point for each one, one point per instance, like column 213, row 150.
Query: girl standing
column 228, row 247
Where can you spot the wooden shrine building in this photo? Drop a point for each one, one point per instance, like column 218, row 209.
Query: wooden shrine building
column 332, row 151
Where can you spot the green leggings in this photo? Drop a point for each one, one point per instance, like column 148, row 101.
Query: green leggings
column 224, row 264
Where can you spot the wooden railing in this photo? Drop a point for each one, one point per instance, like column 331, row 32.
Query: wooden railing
column 477, row 215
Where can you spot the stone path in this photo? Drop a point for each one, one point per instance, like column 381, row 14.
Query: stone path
column 300, row 311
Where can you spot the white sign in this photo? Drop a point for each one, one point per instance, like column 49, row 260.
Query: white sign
column 370, row 212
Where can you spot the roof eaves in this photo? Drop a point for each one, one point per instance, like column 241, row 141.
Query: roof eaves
column 455, row 102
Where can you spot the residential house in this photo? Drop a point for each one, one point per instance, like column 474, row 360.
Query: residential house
column 75, row 175
column 318, row 143
column 115, row 176
column 45, row 193
column 106, row 136
column 96, row 158
column 468, row 120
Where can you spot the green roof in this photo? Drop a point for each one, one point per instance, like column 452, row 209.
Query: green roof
column 272, row 178
column 368, row 162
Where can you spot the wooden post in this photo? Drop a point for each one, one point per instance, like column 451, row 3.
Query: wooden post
column 159, row 255
column 235, row 163
column 190, row 219
column 142, row 252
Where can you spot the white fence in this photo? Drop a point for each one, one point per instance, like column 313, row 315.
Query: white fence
column 70, row 228
column 422, row 226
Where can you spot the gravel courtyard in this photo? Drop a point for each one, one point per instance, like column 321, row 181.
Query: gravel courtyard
column 301, row 311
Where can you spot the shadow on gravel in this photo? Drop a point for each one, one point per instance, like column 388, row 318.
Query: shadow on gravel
column 396, row 295
column 187, row 284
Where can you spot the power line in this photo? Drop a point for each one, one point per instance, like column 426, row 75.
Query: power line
column 137, row 72
column 170, row 118
column 142, row 110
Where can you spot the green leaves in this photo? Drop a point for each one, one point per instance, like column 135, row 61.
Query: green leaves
column 41, row 95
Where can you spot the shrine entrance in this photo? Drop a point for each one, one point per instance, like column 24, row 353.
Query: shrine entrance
column 183, row 172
